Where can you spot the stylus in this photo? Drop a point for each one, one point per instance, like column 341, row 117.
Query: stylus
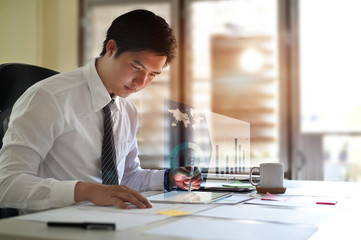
column 190, row 180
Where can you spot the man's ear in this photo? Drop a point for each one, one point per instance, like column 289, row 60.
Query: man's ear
column 111, row 47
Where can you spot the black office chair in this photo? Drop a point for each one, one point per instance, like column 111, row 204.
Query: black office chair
column 15, row 78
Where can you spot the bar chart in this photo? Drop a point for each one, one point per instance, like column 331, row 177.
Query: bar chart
column 230, row 163
column 230, row 145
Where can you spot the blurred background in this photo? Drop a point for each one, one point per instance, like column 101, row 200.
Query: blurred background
column 290, row 68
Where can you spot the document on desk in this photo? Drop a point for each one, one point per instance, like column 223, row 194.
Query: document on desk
column 157, row 208
column 293, row 201
column 269, row 214
column 78, row 214
column 232, row 229
column 234, row 199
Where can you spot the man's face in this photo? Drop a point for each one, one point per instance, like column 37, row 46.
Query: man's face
column 130, row 72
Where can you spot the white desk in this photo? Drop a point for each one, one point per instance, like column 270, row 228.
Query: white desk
column 342, row 221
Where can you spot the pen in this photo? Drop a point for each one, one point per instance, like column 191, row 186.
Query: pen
column 190, row 180
column 85, row 225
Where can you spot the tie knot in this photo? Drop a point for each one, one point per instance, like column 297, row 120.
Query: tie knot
column 106, row 108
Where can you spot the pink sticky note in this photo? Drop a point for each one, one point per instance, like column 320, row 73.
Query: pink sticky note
column 327, row 201
column 271, row 197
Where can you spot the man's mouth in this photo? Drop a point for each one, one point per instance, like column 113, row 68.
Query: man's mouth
column 130, row 89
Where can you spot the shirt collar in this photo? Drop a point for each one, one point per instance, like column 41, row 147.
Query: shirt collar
column 98, row 93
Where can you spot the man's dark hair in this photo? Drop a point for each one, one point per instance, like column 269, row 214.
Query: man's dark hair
column 141, row 30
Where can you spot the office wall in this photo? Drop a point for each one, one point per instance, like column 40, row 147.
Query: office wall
column 40, row 32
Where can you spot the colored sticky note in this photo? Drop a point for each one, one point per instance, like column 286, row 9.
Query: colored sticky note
column 173, row 212
column 327, row 201
column 271, row 197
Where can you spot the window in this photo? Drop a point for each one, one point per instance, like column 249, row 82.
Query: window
column 330, row 102
column 232, row 67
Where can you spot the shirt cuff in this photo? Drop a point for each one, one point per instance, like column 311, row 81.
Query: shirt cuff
column 62, row 193
column 167, row 187
column 156, row 180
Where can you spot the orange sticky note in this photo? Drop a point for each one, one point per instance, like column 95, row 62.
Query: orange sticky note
column 173, row 212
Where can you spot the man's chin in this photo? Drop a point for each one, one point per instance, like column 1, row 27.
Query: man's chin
column 123, row 95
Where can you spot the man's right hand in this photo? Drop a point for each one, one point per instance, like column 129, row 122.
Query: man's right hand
column 107, row 195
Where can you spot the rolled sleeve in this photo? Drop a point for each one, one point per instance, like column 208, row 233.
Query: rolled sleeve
column 156, row 180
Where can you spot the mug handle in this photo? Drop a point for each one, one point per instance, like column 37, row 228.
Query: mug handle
column 250, row 176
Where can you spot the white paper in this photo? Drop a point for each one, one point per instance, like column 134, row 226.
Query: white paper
column 156, row 207
column 234, row 199
column 188, row 197
column 122, row 219
column 228, row 230
column 322, row 188
column 298, row 201
column 270, row 214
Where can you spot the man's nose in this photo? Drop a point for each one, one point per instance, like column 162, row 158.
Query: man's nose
column 140, row 79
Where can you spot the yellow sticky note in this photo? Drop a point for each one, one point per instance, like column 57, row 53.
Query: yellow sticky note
column 173, row 212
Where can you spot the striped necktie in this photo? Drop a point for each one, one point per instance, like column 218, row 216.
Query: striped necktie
column 109, row 170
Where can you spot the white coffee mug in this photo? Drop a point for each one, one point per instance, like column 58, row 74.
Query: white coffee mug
column 271, row 175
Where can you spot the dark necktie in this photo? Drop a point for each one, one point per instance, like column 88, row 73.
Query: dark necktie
column 109, row 170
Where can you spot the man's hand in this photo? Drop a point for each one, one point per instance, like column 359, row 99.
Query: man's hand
column 107, row 195
column 181, row 177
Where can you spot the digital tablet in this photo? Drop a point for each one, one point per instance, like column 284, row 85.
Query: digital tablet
column 188, row 197
column 226, row 186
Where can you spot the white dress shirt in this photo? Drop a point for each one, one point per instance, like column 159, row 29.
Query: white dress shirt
column 55, row 140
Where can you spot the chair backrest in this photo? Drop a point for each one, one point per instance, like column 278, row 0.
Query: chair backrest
column 15, row 78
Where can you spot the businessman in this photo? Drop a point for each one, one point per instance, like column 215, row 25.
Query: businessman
column 59, row 150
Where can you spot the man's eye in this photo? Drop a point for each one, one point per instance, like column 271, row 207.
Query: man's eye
column 135, row 67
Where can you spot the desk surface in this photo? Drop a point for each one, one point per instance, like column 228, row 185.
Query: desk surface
column 342, row 221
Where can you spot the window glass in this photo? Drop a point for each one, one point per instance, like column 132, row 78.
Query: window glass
column 330, row 56
column 232, row 67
